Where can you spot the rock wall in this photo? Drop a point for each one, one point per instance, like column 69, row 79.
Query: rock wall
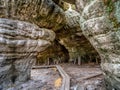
column 19, row 43
column 100, row 23
column 55, row 54
column 44, row 13
column 72, row 38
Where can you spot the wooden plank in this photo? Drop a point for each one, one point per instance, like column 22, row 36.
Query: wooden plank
column 89, row 77
column 93, row 76
column 65, row 77
column 41, row 67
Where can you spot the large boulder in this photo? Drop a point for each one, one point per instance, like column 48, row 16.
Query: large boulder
column 19, row 43
column 100, row 23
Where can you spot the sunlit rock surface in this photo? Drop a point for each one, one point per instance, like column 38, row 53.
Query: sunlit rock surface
column 19, row 44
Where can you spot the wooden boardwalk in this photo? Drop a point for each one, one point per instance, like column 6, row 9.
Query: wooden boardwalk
column 65, row 76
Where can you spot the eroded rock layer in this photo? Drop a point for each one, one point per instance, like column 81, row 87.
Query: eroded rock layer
column 54, row 54
column 44, row 13
column 100, row 24
column 19, row 44
column 98, row 21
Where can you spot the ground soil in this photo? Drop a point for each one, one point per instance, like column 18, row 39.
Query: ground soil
column 50, row 78
column 85, row 77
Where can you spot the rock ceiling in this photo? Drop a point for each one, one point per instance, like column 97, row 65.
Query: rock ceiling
column 70, row 36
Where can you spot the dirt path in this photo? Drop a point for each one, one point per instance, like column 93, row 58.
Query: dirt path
column 85, row 77
column 50, row 77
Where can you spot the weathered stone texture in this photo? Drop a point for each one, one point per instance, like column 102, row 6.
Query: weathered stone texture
column 104, row 36
column 20, row 41
column 72, row 38
column 19, row 44
column 44, row 13
column 72, row 19
column 70, row 1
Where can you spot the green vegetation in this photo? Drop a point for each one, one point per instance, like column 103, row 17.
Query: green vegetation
column 110, row 6
column 110, row 9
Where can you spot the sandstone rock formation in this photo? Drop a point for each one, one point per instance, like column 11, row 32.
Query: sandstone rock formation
column 44, row 13
column 100, row 24
column 54, row 54
column 95, row 29
column 19, row 43
column 72, row 38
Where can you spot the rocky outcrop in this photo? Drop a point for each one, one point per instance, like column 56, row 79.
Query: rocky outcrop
column 71, row 26
column 19, row 43
column 72, row 38
column 44, row 13
column 55, row 54
column 100, row 24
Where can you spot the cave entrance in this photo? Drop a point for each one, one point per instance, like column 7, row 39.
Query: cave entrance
column 78, row 58
column 75, row 50
column 55, row 54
